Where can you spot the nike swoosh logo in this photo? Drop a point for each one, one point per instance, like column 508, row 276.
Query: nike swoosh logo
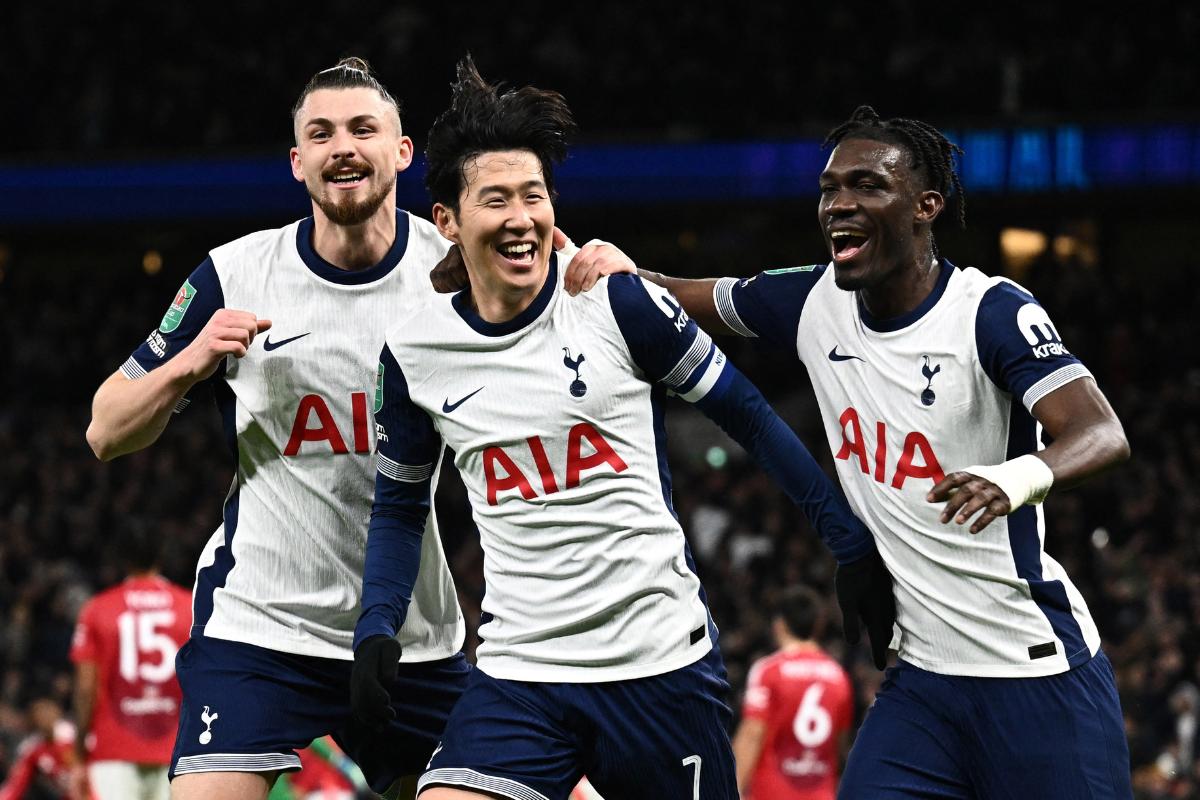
column 835, row 356
column 447, row 406
column 268, row 345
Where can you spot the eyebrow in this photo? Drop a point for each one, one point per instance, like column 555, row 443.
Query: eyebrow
column 855, row 174
column 324, row 123
column 506, row 190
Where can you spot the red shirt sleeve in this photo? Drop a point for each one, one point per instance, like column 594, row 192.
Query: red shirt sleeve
column 22, row 772
column 757, row 701
column 83, row 642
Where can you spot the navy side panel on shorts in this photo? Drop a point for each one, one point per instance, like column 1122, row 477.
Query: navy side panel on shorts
column 664, row 737
column 249, row 709
column 951, row 736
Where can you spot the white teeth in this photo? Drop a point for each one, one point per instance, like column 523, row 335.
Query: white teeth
column 349, row 178
column 516, row 249
column 843, row 234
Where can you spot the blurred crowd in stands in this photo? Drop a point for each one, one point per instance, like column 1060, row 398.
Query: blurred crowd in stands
column 126, row 79
column 1129, row 538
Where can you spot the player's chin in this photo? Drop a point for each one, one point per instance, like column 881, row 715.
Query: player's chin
column 849, row 276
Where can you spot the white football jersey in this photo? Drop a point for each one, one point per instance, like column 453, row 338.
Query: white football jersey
column 555, row 420
column 284, row 570
column 908, row 400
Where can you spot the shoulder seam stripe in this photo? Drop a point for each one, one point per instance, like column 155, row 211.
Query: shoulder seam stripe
column 723, row 298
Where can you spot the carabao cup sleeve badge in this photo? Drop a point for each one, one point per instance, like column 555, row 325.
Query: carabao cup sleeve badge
column 179, row 307
column 378, row 389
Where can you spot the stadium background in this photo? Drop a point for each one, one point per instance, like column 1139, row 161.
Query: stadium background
column 135, row 139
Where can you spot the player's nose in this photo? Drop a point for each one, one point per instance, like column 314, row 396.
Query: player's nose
column 839, row 201
column 519, row 220
column 344, row 145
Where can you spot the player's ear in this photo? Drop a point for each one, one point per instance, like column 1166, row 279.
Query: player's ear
column 929, row 205
column 446, row 221
column 297, row 172
column 404, row 153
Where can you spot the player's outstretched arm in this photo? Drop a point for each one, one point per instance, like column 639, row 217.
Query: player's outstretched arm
column 671, row 349
column 130, row 414
column 862, row 582
column 1087, row 439
column 696, row 297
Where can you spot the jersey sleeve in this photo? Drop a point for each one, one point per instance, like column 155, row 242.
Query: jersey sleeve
column 183, row 611
column 768, row 305
column 407, row 452
column 197, row 300
column 22, row 772
column 671, row 349
column 756, row 704
column 1020, row 348
column 83, row 641
column 666, row 344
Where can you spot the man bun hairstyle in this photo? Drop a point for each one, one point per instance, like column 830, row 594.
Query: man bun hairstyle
column 484, row 118
column 931, row 154
column 349, row 73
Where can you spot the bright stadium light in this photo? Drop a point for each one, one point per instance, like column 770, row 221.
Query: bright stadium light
column 1020, row 247
column 152, row 262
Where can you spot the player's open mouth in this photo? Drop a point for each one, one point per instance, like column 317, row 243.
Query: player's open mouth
column 347, row 179
column 520, row 254
column 846, row 244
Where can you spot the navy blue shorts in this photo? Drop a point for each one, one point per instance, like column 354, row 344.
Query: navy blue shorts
column 946, row 736
column 664, row 737
column 249, row 709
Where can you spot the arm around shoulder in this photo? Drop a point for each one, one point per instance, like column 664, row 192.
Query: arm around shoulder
column 696, row 297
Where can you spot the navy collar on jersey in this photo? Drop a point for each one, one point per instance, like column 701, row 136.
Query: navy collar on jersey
column 904, row 320
column 462, row 304
column 323, row 269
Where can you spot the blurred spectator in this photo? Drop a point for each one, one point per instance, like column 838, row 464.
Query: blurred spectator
column 143, row 81
column 42, row 769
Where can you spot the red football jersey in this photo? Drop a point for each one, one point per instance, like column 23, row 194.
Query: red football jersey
column 132, row 633
column 806, row 702
column 46, row 762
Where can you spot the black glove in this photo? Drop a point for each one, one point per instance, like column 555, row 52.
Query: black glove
column 864, row 589
column 376, row 663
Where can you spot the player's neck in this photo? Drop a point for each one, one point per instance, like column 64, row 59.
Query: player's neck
column 142, row 575
column 497, row 303
column 355, row 247
column 800, row 646
column 903, row 290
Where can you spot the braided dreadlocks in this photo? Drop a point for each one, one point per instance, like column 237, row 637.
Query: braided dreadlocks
column 931, row 152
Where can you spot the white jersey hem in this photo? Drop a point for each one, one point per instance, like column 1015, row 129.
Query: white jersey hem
column 514, row 668
column 410, row 654
column 1051, row 666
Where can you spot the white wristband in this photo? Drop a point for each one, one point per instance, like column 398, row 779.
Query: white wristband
column 1025, row 479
